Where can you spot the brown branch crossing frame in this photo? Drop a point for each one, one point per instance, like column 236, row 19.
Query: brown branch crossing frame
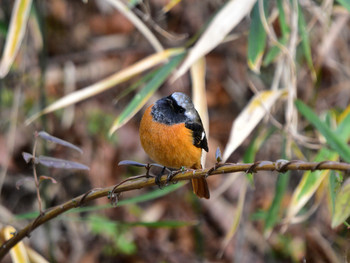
column 143, row 181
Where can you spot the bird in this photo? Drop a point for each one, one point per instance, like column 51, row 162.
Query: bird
column 172, row 134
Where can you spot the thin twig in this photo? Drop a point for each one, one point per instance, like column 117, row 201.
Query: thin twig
column 138, row 183
column 36, row 176
column 124, row 9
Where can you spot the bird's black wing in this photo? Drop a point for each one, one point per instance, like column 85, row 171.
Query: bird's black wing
column 198, row 133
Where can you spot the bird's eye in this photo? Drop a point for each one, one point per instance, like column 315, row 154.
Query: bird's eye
column 181, row 110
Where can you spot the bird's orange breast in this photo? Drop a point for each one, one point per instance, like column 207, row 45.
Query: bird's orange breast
column 169, row 145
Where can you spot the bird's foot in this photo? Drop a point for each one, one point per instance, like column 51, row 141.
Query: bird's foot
column 158, row 177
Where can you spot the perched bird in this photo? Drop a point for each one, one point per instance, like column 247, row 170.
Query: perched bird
column 172, row 134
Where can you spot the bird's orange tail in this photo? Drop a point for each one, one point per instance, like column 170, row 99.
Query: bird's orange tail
column 200, row 187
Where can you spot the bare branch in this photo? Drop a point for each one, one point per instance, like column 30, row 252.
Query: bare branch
column 145, row 181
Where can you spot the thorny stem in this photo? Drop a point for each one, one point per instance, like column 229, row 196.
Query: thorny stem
column 280, row 166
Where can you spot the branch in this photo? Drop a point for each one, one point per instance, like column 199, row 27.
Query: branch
column 139, row 182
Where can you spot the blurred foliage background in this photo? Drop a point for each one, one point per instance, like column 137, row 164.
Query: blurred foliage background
column 97, row 59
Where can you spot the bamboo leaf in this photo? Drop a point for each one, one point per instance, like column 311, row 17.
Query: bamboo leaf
column 236, row 217
column 305, row 42
column 170, row 5
column 280, row 189
column 133, row 200
column 224, row 21
column 125, row 10
column 333, row 186
column 309, row 184
column 273, row 52
column 145, row 93
column 17, row 28
column 253, row 148
column 342, row 208
column 332, row 138
column 282, row 18
column 108, row 82
column 272, row 213
column 200, row 97
column 256, row 39
column 35, row 257
column 162, row 224
column 152, row 195
column 18, row 253
column 97, row 219
column 134, row 86
column 249, row 118
column 312, row 180
column 343, row 129
column 345, row 3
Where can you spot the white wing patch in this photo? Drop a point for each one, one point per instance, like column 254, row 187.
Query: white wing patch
column 203, row 135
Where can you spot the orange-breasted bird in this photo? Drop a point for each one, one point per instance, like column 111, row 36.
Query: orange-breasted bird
column 172, row 134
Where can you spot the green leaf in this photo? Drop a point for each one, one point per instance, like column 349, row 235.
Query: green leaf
column 280, row 189
column 29, row 215
column 256, row 39
column 134, row 86
column 309, row 183
column 342, row 208
column 274, row 51
column 256, row 144
column 134, row 200
column 258, row 215
column 333, row 185
column 152, row 195
column 3, row 29
column 272, row 214
column 282, row 18
column 17, row 28
column 249, row 157
column 98, row 223
column 305, row 42
column 137, row 199
column 145, row 93
column 133, row 3
column 231, row 13
column 101, row 223
column 111, row 229
column 343, row 129
column 332, row 138
column 311, row 180
column 345, row 3
column 161, row 224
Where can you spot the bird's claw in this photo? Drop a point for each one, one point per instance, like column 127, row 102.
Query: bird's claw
column 158, row 178
column 158, row 181
column 171, row 176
